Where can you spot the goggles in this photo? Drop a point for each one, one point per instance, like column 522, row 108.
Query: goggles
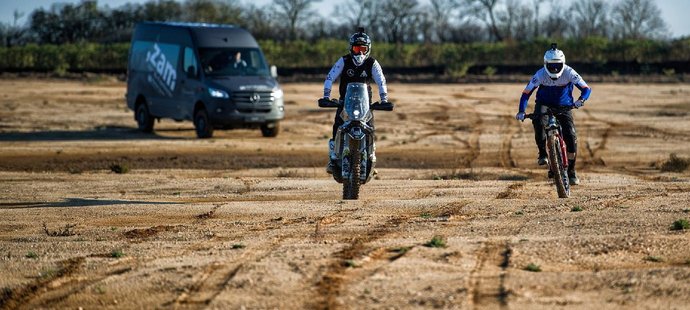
column 360, row 49
column 554, row 67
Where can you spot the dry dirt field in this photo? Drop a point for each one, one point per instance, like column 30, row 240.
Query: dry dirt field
column 242, row 221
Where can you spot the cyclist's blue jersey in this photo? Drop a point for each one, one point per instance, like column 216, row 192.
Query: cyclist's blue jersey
column 557, row 92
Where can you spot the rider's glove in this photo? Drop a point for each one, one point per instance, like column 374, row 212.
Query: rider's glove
column 578, row 104
column 520, row 116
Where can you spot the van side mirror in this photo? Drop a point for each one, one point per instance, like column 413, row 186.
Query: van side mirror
column 274, row 72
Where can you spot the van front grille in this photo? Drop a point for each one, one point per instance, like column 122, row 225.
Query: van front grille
column 258, row 99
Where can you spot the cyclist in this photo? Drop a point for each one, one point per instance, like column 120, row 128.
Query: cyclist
column 555, row 89
column 355, row 67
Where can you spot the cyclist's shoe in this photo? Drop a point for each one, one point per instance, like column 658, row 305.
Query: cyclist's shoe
column 330, row 167
column 574, row 180
column 550, row 175
column 542, row 160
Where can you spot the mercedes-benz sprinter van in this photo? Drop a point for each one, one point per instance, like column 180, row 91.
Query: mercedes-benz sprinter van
column 214, row 75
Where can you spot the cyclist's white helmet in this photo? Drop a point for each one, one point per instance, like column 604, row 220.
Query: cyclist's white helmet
column 554, row 61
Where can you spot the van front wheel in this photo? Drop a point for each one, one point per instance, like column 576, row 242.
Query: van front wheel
column 144, row 118
column 270, row 130
column 202, row 125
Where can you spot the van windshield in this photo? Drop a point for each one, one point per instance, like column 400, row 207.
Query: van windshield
column 223, row 61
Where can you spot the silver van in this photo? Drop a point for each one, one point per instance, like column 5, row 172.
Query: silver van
column 213, row 75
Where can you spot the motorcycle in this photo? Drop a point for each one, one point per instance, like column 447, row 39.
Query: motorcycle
column 354, row 141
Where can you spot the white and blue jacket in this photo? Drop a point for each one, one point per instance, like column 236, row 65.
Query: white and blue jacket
column 557, row 92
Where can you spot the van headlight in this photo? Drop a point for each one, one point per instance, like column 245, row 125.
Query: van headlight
column 217, row 93
column 277, row 94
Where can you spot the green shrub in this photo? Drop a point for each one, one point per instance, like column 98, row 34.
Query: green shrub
column 533, row 267
column 681, row 224
column 675, row 164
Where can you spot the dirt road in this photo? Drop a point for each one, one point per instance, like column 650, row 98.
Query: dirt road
column 244, row 221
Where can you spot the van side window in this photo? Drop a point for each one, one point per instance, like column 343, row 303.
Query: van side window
column 190, row 66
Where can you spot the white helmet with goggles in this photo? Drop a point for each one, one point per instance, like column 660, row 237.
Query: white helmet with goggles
column 554, row 61
column 360, row 46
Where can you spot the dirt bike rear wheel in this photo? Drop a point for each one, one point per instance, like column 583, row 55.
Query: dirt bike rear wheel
column 560, row 175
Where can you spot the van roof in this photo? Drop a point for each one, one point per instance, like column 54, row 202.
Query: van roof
column 212, row 35
column 192, row 25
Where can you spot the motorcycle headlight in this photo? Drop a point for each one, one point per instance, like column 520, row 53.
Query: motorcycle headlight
column 217, row 93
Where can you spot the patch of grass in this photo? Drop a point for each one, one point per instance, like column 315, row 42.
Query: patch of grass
column 533, row 267
column 238, row 246
column 686, row 210
column 48, row 273
column 349, row 263
column 436, row 242
column 489, row 71
column 675, row 164
column 31, row 255
column 287, row 173
column 64, row 232
column 519, row 212
column 426, row 215
column 119, row 168
column 99, row 290
column 576, row 209
column 681, row 224
column 401, row 250
column 458, row 175
column 512, row 177
column 654, row 259
column 117, row 253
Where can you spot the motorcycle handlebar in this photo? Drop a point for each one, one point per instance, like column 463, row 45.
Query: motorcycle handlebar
column 329, row 103
column 334, row 103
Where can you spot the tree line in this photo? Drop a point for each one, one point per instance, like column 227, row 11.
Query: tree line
column 391, row 21
column 453, row 36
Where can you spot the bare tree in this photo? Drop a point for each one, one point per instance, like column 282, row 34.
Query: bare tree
column 486, row 11
column 293, row 11
column 357, row 13
column 441, row 14
column 394, row 18
column 589, row 18
column 556, row 23
column 638, row 19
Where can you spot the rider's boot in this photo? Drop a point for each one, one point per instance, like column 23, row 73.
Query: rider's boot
column 331, row 157
column 543, row 159
column 574, row 180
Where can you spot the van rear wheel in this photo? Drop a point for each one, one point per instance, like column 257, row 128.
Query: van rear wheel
column 203, row 127
column 144, row 118
column 270, row 130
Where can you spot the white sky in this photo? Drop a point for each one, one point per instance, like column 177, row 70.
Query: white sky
column 674, row 12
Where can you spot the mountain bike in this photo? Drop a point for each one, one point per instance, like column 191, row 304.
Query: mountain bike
column 555, row 148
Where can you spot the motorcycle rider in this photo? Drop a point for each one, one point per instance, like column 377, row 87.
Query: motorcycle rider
column 355, row 67
column 555, row 89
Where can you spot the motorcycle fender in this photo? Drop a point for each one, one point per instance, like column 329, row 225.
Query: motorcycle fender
column 356, row 133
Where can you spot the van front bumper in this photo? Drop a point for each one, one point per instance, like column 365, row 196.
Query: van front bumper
column 224, row 113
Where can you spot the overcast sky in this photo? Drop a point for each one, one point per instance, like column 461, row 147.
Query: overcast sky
column 674, row 12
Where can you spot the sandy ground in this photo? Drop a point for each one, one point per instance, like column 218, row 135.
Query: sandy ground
column 241, row 221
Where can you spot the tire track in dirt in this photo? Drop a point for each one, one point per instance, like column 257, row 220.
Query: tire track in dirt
column 369, row 260
column 591, row 156
column 507, row 131
column 22, row 297
column 331, row 285
column 473, row 141
column 487, row 280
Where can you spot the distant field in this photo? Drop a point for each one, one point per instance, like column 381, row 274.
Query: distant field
column 245, row 221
